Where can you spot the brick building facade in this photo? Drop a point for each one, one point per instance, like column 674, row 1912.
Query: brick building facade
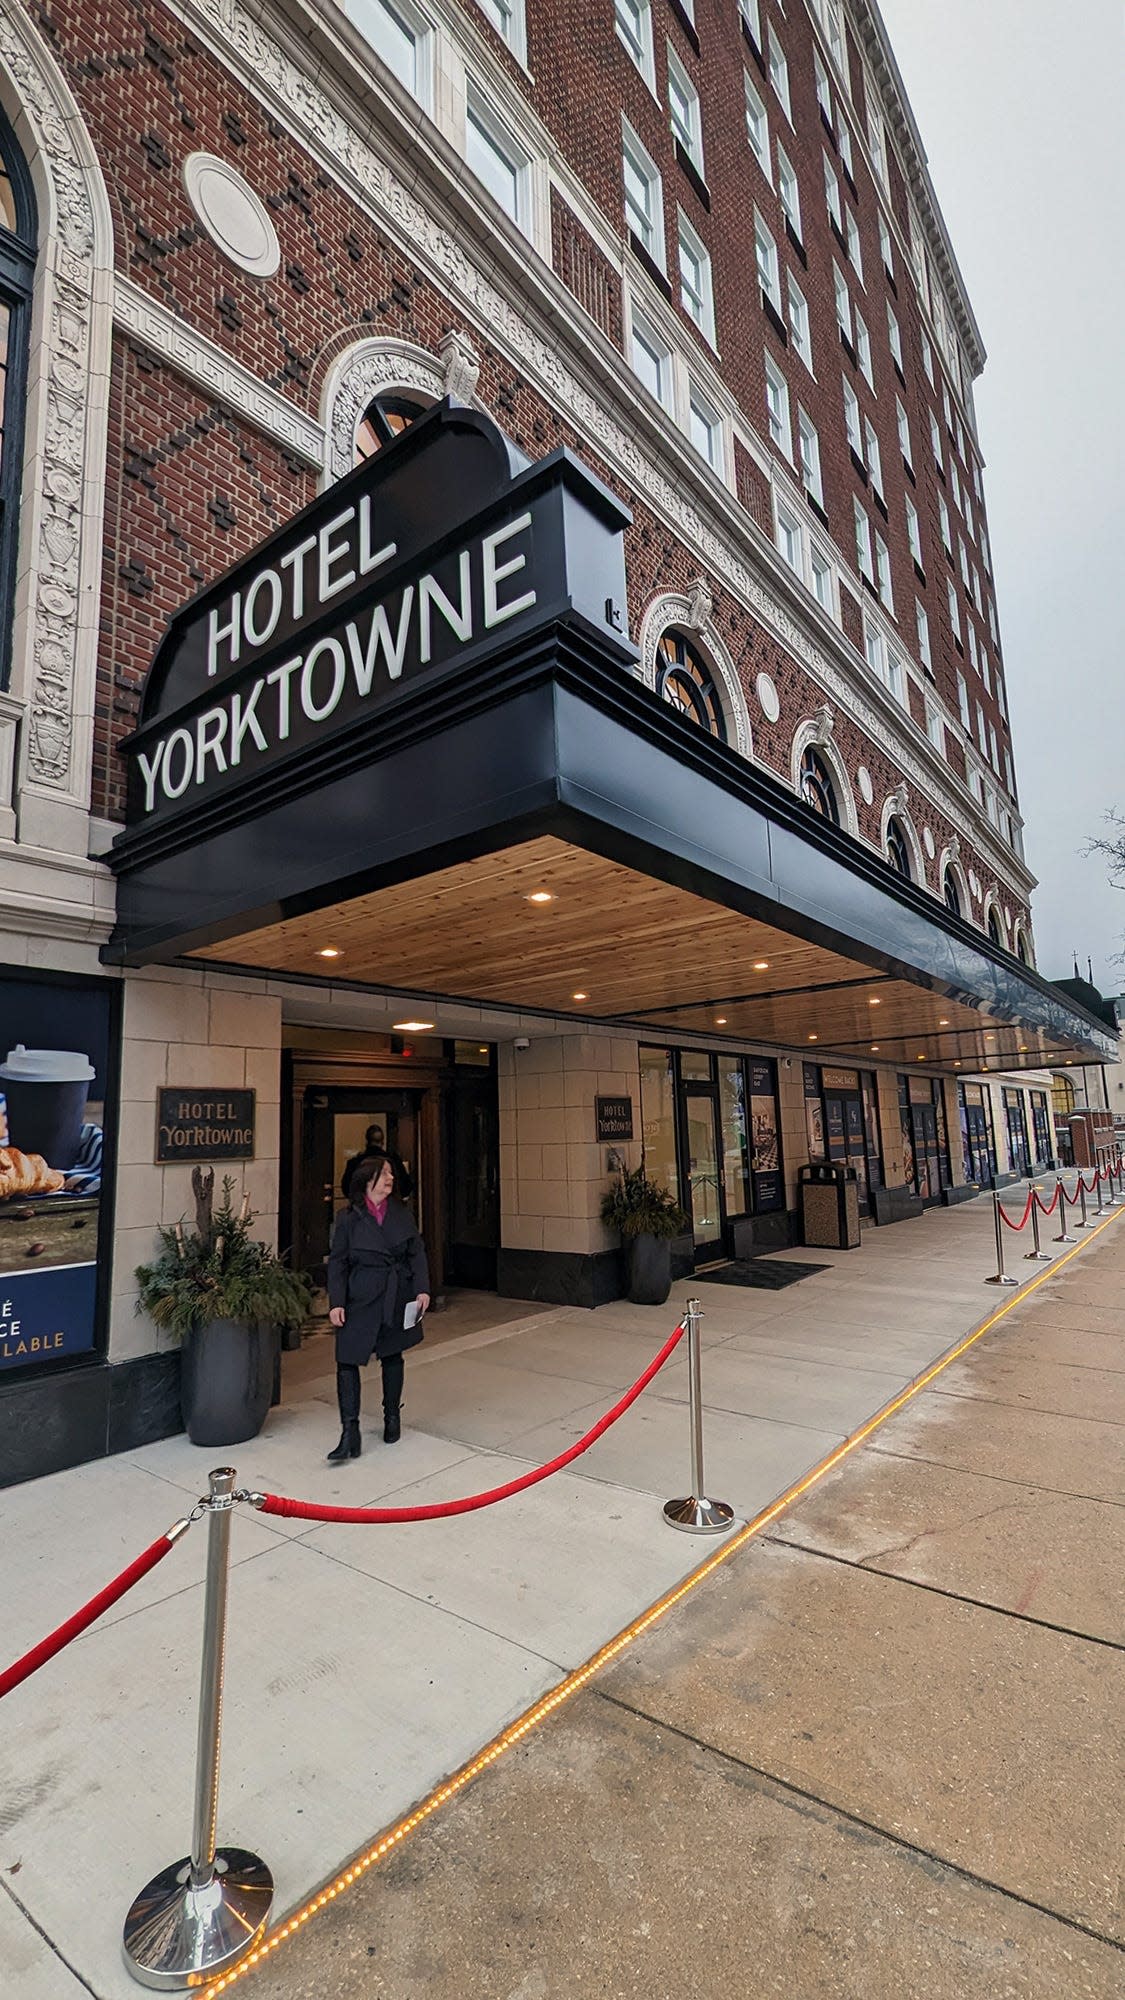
column 695, row 245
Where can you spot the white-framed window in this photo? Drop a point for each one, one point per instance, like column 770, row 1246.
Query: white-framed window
column 865, row 560
column 913, row 532
column 799, row 327
column 935, row 727
column 1001, row 701
column 507, row 17
column 924, row 653
column 749, row 12
column 789, row 539
column 967, row 510
column 927, row 358
column 935, row 441
column 844, row 141
column 978, row 597
column 943, row 517
column 683, row 110
column 1009, row 775
column 779, row 73
column 959, row 434
column 896, row 672
column 982, row 736
column 964, row 555
column 872, row 456
column 970, row 635
column 946, row 406
column 777, row 408
column 954, row 608
column 788, row 189
column 696, row 294
column 886, row 247
column 903, row 423
column 769, row 270
column 633, row 19
column 993, row 750
column 399, row 37
column 985, row 551
column 852, row 419
column 823, row 87
column 883, row 573
column 809, row 447
column 985, row 669
column 820, row 569
column 976, row 483
column 954, row 482
column 894, row 336
column 855, row 253
column 863, row 351
column 963, row 701
column 757, row 126
column 705, row 428
column 992, row 621
column 832, row 194
column 644, row 199
column 652, row 361
column 496, row 158
column 876, row 135
column 843, row 302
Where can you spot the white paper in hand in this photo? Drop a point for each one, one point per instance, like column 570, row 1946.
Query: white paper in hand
column 412, row 1315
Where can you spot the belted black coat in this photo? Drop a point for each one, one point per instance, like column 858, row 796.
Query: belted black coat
column 374, row 1270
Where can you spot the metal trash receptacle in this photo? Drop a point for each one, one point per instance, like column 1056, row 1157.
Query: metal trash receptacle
column 829, row 1196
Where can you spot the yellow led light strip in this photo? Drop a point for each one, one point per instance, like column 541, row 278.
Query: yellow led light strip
column 574, row 1682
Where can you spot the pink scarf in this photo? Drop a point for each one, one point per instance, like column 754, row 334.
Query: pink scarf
column 376, row 1208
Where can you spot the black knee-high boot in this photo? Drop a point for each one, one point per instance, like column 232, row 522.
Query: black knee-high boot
column 347, row 1395
column 394, row 1368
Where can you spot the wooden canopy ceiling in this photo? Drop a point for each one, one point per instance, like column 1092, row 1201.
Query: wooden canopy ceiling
column 636, row 949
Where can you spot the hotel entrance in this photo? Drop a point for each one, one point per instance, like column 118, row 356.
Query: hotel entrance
column 711, row 1133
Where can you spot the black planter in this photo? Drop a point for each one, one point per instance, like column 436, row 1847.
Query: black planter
column 226, row 1381
column 648, row 1261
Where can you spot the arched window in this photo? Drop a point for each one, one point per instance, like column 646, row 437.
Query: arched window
column 17, row 270
column 1022, row 951
column 684, row 679
column 898, row 848
column 994, row 930
column 951, row 893
column 384, row 419
column 816, row 787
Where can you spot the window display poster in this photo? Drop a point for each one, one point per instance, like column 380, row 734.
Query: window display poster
column 765, row 1144
column 55, row 1057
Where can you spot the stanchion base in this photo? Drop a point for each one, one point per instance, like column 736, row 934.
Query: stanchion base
column 174, row 1934
column 699, row 1517
column 1037, row 1257
column 1067, row 1239
column 1001, row 1278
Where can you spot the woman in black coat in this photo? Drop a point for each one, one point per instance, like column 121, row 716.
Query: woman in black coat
column 376, row 1269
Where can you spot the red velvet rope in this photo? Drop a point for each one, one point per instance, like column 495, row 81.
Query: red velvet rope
column 1005, row 1217
column 55, row 1641
column 307, row 1510
column 1048, row 1208
column 1091, row 1186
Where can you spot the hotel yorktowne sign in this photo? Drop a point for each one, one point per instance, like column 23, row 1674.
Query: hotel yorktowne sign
column 432, row 554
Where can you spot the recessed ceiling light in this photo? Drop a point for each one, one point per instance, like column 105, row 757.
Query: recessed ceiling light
column 580, row 996
column 483, row 1049
column 410, row 1027
column 874, row 1048
column 328, row 951
column 874, row 1003
column 814, row 1038
column 919, row 1058
column 720, row 1020
column 944, row 1022
column 761, row 965
column 541, row 896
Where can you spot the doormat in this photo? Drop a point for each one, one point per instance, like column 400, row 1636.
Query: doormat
column 766, row 1274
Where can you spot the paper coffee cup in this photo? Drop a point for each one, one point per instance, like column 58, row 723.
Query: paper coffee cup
column 46, row 1092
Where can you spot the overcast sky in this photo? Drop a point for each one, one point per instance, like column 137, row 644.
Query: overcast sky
column 1018, row 104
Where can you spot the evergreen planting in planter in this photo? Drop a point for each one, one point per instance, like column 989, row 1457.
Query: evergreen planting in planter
column 646, row 1216
column 226, row 1296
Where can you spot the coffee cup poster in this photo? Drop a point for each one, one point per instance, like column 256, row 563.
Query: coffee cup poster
column 54, row 1065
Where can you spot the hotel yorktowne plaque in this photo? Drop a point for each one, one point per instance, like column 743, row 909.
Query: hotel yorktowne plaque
column 199, row 1124
column 615, row 1118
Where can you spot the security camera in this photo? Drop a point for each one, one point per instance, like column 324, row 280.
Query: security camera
column 788, row 1062
column 521, row 1042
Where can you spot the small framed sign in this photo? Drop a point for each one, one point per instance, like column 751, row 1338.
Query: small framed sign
column 615, row 1118
column 194, row 1123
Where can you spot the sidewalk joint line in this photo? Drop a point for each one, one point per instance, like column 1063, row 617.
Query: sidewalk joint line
column 49, row 1942
column 1002, row 1478
column 939, row 1590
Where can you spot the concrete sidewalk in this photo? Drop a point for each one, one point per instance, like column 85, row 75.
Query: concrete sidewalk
column 365, row 1664
column 879, row 1753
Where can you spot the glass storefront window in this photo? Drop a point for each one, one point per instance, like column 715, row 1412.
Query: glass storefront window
column 695, row 1066
column 736, row 1149
column 658, row 1116
column 1041, row 1124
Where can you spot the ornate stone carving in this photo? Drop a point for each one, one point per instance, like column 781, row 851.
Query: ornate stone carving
column 460, row 366
column 899, row 799
column 371, row 368
column 824, row 722
column 672, row 608
column 701, row 603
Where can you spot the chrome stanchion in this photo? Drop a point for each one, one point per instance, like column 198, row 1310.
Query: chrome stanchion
column 1098, row 1189
column 1081, row 1196
column 1001, row 1277
column 1064, row 1235
column 195, row 1919
column 696, row 1514
column 1036, row 1255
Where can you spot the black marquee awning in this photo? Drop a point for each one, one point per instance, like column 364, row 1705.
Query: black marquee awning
column 406, row 791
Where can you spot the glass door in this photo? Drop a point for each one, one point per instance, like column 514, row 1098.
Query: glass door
column 927, row 1158
column 846, row 1135
column 705, row 1172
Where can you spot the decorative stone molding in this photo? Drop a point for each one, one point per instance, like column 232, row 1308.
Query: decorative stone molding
column 460, row 366
column 55, row 626
column 950, row 862
column 523, row 321
column 899, row 799
column 769, row 701
column 895, row 807
column 821, row 727
column 816, row 734
column 377, row 368
column 209, row 367
column 992, row 905
column 673, row 608
column 232, row 214
column 864, row 785
column 701, row 603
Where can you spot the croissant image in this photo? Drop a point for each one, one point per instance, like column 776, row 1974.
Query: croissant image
column 26, row 1173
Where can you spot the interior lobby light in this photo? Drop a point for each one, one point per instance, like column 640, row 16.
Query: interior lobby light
column 328, row 951
column 944, row 1022
column 541, row 896
column 580, row 996
column 720, row 1020
column 874, row 1003
column 761, row 965
column 874, row 1048
column 814, row 1038
column 410, row 1027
